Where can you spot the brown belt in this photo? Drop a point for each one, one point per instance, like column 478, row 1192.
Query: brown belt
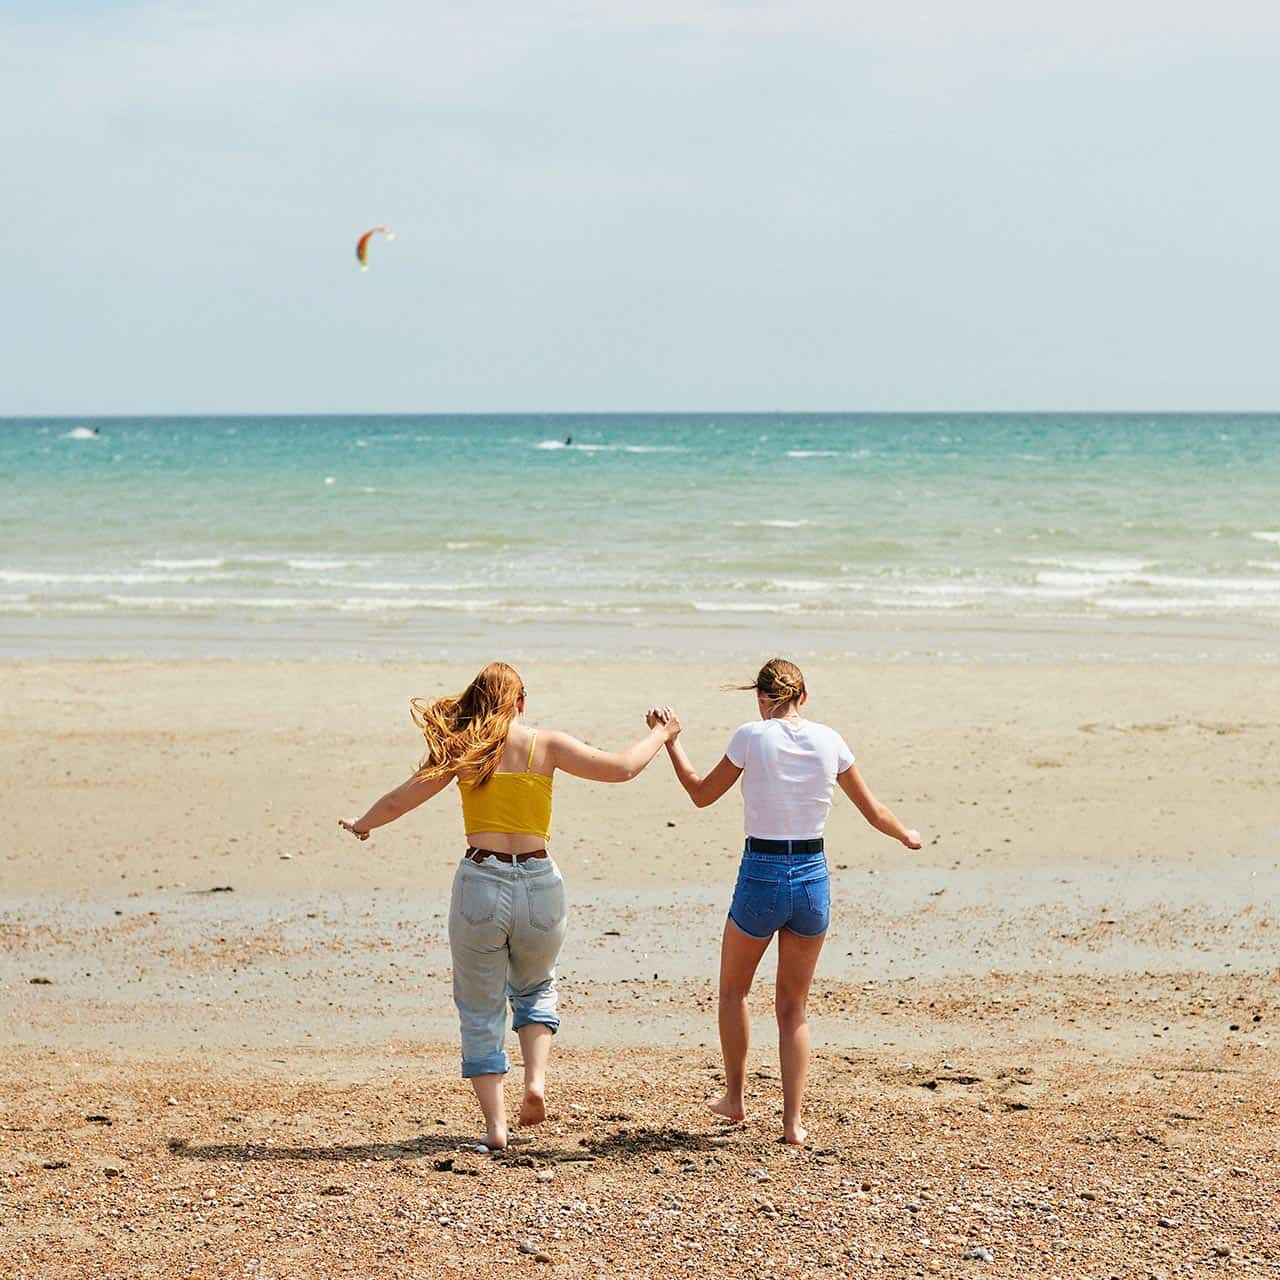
column 478, row 855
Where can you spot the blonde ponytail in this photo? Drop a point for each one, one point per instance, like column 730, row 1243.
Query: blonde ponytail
column 778, row 682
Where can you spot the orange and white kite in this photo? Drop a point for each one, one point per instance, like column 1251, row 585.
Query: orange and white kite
column 362, row 245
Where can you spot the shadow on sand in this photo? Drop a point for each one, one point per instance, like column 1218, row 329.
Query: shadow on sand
column 619, row 1144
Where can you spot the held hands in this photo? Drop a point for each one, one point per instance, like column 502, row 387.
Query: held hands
column 351, row 826
column 664, row 718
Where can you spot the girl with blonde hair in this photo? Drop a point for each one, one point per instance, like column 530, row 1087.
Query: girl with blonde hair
column 507, row 913
column 789, row 768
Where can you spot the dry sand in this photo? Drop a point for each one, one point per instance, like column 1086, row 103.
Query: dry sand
column 1044, row 1034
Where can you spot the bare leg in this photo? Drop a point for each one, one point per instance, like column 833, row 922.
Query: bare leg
column 489, row 1095
column 535, row 1047
column 797, row 957
column 739, row 957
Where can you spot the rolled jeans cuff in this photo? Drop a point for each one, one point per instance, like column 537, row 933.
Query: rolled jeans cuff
column 527, row 1017
column 489, row 1064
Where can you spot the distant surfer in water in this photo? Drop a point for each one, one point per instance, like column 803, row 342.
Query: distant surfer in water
column 568, row 440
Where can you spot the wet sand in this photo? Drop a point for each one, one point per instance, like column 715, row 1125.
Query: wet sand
column 1048, row 1031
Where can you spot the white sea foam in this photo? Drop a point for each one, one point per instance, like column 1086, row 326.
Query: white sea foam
column 771, row 524
column 743, row 606
column 384, row 604
column 1266, row 535
column 81, row 433
column 357, row 585
column 916, row 603
column 1228, row 585
column 195, row 563
column 1086, row 582
column 612, row 448
column 296, row 604
column 1188, row 605
column 800, row 584
column 305, row 563
column 27, row 606
column 1091, row 564
column 813, row 453
column 131, row 579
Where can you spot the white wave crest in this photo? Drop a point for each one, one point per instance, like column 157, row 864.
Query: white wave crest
column 1091, row 564
column 304, row 564
column 734, row 606
column 195, row 563
column 132, row 579
column 611, row 448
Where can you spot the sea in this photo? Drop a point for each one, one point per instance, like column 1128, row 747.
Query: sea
column 676, row 536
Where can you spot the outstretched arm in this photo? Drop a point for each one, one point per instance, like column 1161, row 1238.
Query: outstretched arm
column 567, row 753
column 702, row 791
column 395, row 804
column 878, row 815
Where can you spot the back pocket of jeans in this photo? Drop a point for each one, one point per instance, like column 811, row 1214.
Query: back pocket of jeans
column 478, row 899
column 818, row 894
column 757, row 900
column 547, row 905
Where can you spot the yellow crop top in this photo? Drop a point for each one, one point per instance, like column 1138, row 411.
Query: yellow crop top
column 516, row 803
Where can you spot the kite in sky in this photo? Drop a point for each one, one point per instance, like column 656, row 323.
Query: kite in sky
column 362, row 245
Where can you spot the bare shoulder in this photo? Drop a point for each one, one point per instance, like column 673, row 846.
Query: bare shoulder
column 546, row 744
column 555, row 740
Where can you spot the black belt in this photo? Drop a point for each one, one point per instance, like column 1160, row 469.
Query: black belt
column 756, row 845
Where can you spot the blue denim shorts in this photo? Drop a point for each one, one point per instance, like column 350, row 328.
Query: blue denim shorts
column 782, row 891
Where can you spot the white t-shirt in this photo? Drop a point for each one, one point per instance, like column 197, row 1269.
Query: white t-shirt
column 789, row 769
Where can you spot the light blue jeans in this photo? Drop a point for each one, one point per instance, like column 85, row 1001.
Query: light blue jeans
column 506, row 924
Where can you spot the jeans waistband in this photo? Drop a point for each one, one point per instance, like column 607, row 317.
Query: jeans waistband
column 479, row 855
column 757, row 845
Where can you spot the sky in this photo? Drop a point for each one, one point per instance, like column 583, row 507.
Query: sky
column 649, row 205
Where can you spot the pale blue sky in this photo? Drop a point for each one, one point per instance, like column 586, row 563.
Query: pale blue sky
column 674, row 204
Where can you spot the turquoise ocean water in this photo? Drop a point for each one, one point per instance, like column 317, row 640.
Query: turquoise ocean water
column 673, row 535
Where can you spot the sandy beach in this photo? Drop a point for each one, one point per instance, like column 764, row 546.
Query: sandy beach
column 229, row 1045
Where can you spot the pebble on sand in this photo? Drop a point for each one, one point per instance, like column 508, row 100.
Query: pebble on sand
column 982, row 1254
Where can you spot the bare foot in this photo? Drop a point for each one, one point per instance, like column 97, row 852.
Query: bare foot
column 794, row 1134
column 494, row 1141
column 533, row 1108
column 734, row 1112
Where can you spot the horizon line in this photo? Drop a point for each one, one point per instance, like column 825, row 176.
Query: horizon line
column 637, row 413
